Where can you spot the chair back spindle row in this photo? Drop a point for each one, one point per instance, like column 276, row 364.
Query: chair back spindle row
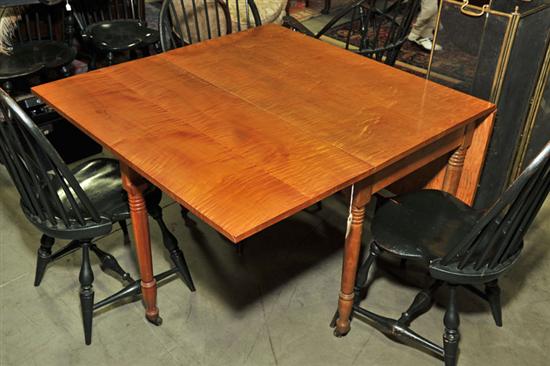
column 498, row 235
column 90, row 12
column 184, row 22
column 40, row 23
column 50, row 194
column 372, row 28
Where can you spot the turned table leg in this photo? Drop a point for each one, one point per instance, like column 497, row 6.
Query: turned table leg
column 360, row 197
column 455, row 165
column 134, row 184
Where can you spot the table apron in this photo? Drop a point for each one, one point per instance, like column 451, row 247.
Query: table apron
column 416, row 160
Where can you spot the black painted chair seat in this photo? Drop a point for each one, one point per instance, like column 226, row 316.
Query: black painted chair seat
column 100, row 180
column 31, row 57
column 422, row 225
column 426, row 225
column 120, row 35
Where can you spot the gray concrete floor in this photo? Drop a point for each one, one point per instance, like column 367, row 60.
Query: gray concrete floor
column 270, row 307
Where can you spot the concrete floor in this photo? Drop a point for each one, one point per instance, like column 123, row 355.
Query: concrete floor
column 270, row 307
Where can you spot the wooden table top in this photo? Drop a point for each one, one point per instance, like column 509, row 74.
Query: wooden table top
column 248, row 129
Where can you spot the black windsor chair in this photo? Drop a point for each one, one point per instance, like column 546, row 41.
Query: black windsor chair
column 77, row 204
column 458, row 245
column 184, row 22
column 114, row 26
column 41, row 42
column 380, row 27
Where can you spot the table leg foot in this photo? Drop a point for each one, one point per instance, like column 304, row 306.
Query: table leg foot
column 339, row 334
column 149, row 293
column 156, row 320
column 345, row 308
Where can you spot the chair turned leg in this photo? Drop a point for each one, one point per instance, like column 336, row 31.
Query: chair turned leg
column 171, row 244
column 86, row 279
column 124, row 228
column 108, row 262
column 492, row 290
column 451, row 335
column 363, row 272
column 43, row 257
column 422, row 302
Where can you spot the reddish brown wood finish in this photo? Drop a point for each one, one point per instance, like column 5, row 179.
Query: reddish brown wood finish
column 248, row 129
column 216, row 123
column 361, row 197
column 134, row 185
column 453, row 173
column 475, row 158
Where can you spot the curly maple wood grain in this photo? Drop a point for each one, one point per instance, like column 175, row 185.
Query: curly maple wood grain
column 352, row 102
column 248, row 129
column 237, row 167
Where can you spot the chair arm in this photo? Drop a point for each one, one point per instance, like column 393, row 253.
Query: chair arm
column 294, row 24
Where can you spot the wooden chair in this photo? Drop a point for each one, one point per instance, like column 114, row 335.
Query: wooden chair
column 40, row 43
column 114, row 26
column 184, row 22
column 77, row 205
column 380, row 27
column 458, row 245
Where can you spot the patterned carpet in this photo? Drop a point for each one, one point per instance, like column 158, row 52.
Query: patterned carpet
column 457, row 65
column 452, row 62
column 299, row 10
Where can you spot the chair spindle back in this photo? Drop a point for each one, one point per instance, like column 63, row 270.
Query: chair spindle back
column 40, row 23
column 498, row 234
column 90, row 12
column 380, row 27
column 184, row 22
column 50, row 194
